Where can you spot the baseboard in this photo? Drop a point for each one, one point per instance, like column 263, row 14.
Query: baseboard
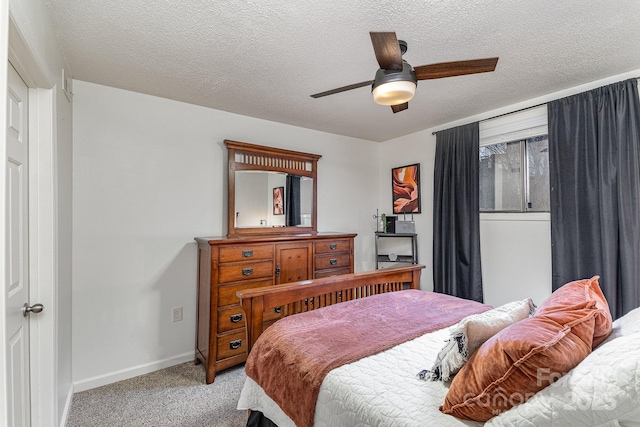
column 135, row 371
column 67, row 407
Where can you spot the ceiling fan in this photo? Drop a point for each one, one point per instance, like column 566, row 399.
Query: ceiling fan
column 395, row 82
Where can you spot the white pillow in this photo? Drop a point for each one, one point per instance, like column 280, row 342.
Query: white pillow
column 625, row 325
column 470, row 333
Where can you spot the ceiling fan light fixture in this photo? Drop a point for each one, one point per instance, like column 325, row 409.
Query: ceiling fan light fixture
column 395, row 81
column 394, row 87
column 394, row 93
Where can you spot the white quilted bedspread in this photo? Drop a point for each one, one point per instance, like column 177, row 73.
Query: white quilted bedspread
column 379, row 390
column 382, row 390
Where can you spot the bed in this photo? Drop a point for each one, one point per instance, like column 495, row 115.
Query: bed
column 383, row 388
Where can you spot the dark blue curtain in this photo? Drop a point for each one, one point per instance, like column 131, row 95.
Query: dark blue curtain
column 292, row 201
column 594, row 160
column 456, row 213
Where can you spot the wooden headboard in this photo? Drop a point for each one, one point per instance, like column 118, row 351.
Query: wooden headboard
column 297, row 297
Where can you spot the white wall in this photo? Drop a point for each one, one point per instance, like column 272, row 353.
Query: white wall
column 64, row 157
column 516, row 257
column 419, row 147
column 149, row 176
column 255, row 206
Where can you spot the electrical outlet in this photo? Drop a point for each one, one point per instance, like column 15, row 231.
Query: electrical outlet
column 177, row 314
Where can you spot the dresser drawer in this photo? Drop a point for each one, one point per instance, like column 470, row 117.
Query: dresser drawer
column 245, row 253
column 244, row 271
column 230, row 318
column 227, row 294
column 233, row 318
column 232, row 344
column 332, row 246
column 331, row 272
column 332, row 261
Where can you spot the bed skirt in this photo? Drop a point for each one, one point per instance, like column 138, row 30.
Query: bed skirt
column 257, row 419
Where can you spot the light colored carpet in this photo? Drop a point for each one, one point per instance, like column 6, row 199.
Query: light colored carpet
column 176, row 396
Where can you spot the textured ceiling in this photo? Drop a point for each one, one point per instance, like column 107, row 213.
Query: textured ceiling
column 264, row 58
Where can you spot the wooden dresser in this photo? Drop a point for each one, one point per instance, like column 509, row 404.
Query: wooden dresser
column 227, row 265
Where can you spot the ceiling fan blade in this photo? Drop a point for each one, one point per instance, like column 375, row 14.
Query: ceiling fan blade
column 342, row 89
column 455, row 68
column 387, row 50
column 400, row 107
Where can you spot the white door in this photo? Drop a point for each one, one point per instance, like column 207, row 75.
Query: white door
column 17, row 262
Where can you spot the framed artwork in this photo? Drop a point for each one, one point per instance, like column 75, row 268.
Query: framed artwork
column 278, row 201
column 405, row 186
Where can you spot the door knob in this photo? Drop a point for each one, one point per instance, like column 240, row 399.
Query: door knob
column 35, row 308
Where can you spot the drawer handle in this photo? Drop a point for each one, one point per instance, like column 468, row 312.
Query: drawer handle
column 233, row 345
column 278, row 309
column 333, row 261
column 333, row 246
column 247, row 271
column 247, row 254
column 236, row 318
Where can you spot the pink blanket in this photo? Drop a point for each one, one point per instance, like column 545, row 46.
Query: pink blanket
column 291, row 357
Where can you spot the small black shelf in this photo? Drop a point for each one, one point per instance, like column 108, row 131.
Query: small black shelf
column 399, row 258
column 381, row 234
column 404, row 258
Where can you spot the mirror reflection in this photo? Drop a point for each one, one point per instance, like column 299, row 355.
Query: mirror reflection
column 272, row 199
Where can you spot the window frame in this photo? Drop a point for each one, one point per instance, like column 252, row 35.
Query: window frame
column 525, row 193
column 516, row 127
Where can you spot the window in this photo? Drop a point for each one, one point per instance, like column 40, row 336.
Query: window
column 514, row 176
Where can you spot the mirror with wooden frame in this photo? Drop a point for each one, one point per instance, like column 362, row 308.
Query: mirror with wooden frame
column 271, row 190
